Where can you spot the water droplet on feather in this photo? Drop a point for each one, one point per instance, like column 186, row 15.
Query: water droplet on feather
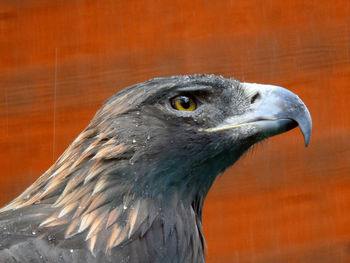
column 51, row 238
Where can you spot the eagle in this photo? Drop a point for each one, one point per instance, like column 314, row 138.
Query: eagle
column 131, row 186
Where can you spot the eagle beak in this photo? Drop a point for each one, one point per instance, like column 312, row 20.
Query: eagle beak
column 273, row 110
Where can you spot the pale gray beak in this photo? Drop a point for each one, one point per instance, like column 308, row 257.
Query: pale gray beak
column 273, row 110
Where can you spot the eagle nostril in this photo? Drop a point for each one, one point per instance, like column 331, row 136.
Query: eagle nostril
column 255, row 97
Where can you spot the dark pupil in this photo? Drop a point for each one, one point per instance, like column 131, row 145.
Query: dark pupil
column 185, row 102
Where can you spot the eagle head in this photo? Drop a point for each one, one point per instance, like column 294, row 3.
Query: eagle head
column 181, row 132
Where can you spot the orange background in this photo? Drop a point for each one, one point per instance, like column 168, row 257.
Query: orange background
column 59, row 60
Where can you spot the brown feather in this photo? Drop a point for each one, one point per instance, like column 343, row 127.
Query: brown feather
column 98, row 224
column 75, row 196
column 87, row 219
column 95, row 170
column 67, row 209
column 85, row 201
column 113, row 216
column 115, row 231
column 134, row 211
column 100, row 185
column 97, row 201
column 50, row 219
column 72, row 228
column 110, row 151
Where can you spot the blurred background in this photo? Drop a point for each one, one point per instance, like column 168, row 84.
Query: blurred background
column 282, row 202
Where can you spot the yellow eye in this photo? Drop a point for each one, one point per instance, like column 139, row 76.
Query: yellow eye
column 183, row 103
